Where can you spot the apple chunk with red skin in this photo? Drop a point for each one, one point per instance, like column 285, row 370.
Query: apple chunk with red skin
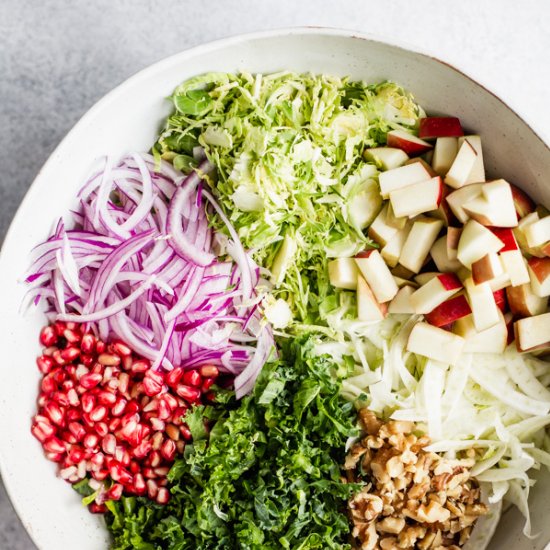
column 434, row 292
column 449, row 311
column 482, row 301
column 532, row 332
column 435, row 343
column 476, row 241
column 401, row 304
column 491, row 340
column 439, row 126
column 377, row 274
column 397, row 178
column 494, row 206
column 487, row 268
column 417, row 198
column 368, row 307
column 412, row 145
column 524, row 302
column 420, row 240
column 539, row 271
column 342, row 273
column 522, row 201
column 462, row 166
column 511, row 257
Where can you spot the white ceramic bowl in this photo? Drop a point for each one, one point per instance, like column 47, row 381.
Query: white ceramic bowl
column 129, row 118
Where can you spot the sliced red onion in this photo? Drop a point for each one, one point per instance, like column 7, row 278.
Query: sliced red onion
column 137, row 264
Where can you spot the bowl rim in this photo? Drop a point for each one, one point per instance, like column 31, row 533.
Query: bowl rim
column 191, row 52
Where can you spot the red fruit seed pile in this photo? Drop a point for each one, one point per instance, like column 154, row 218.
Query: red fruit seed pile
column 103, row 413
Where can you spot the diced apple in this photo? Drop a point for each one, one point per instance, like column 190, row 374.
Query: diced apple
column 420, row 240
column 401, row 304
column 377, row 274
column 478, row 172
column 491, row 340
column 425, row 277
column 445, row 151
column 397, row 178
column 428, row 167
column 400, row 282
column 417, row 198
column 435, row 343
column 522, row 201
column 500, row 282
column 519, row 233
column 405, row 141
column 538, row 232
column 487, row 268
column 509, row 320
column 441, row 258
column 435, row 292
column 532, row 332
column 462, row 166
column 539, row 272
column 495, row 205
column 457, row 199
column 380, row 230
column 443, row 211
column 439, row 126
column 506, row 235
column 402, row 272
column 342, row 273
column 475, row 242
column 393, row 220
column 545, row 249
column 484, row 309
column 392, row 251
column 515, row 267
column 368, row 308
column 453, row 238
column 386, row 158
column 449, row 311
column 524, row 302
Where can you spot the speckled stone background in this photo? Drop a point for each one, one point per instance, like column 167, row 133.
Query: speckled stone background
column 57, row 57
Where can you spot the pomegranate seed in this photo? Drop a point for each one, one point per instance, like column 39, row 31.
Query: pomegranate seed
column 186, row 432
column 98, row 414
column 55, row 457
column 207, row 384
column 192, row 378
column 109, row 359
column 45, row 364
column 90, row 441
column 149, row 473
column 96, row 508
column 191, row 395
column 170, row 400
column 136, row 390
column 162, row 471
column 102, row 429
column 152, row 489
column 114, row 492
column 97, row 460
column 70, row 371
column 75, row 454
column 129, row 426
column 154, row 458
column 88, row 402
column 70, row 354
column 42, row 400
column 157, row 424
column 58, row 358
column 87, row 344
column 42, row 431
column 48, row 336
column 123, row 382
column 134, row 467
column 139, row 484
column 211, row 396
column 98, row 368
column 49, row 351
column 120, row 348
column 168, row 450
column 87, row 360
column 114, row 424
column 74, row 415
column 55, row 413
column 54, row 445
column 66, row 473
column 180, row 446
column 163, row 496
column 209, row 371
column 71, row 336
column 90, row 380
column 77, row 430
column 61, row 398
column 100, row 346
column 48, row 385
column 72, row 397
column 172, row 432
column 108, row 444
column 122, row 455
column 132, row 407
column 152, row 387
column 156, row 441
column 81, row 474
column 68, row 437
column 59, row 327
column 173, row 377
column 179, row 414
column 151, row 406
column 81, row 371
column 164, row 410
column 100, row 475
column 118, row 473
column 142, row 450
column 119, row 406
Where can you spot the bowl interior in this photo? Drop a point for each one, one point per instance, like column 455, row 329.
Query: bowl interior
column 129, row 118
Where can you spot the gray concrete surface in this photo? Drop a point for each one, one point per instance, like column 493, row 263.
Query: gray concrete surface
column 57, row 57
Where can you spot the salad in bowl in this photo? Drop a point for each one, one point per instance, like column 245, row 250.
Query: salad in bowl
column 305, row 317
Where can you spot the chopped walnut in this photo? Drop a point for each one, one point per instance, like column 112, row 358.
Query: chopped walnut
column 411, row 498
